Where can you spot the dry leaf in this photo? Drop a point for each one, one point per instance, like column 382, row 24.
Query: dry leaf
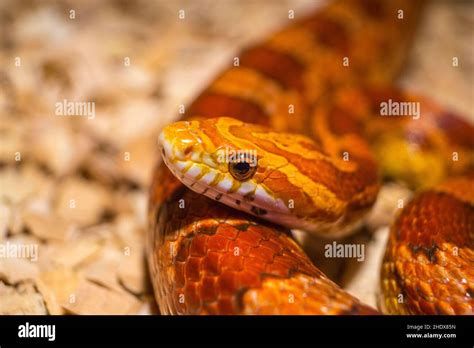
column 59, row 147
column 22, row 299
column 132, row 271
column 5, row 214
column 137, row 159
column 81, row 201
column 101, row 167
column 133, row 203
column 57, row 286
column 73, row 253
column 91, row 298
column 15, row 221
column 14, row 270
column 104, row 270
column 16, row 185
column 129, row 232
column 12, row 145
column 48, row 227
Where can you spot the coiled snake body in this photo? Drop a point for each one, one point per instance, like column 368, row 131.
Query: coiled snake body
column 303, row 144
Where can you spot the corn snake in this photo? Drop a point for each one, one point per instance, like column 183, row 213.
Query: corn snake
column 206, row 258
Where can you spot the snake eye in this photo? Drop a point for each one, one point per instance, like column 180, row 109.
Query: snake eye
column 242, row 169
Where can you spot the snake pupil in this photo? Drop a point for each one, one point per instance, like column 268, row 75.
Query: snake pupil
column 241, row 170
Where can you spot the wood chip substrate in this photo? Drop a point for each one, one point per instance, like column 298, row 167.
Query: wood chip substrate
column 73, row 187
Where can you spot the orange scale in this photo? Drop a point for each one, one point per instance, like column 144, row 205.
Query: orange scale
column 208, row 289
column 251, row 237
column 227, row 282
column 217, row 243
column 231, row 262
column 254, row 264
column 228, row 231
column 199, row 245
column 277, row 269
column 249, row 279
column 264, row 254
column 211, row 264
column 191, row 297
column 193, row 269
column 240, row 246
column 277, row 248
column 179, row 274
column 427, row 307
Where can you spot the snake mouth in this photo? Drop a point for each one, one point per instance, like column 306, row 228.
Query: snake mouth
column 250, row 203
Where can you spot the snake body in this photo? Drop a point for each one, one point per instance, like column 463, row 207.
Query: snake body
column 315, row 148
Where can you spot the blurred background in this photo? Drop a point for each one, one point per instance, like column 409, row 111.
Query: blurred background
column 76, row 187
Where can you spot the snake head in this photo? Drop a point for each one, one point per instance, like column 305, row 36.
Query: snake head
column 208, row 159
column 251, row 168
